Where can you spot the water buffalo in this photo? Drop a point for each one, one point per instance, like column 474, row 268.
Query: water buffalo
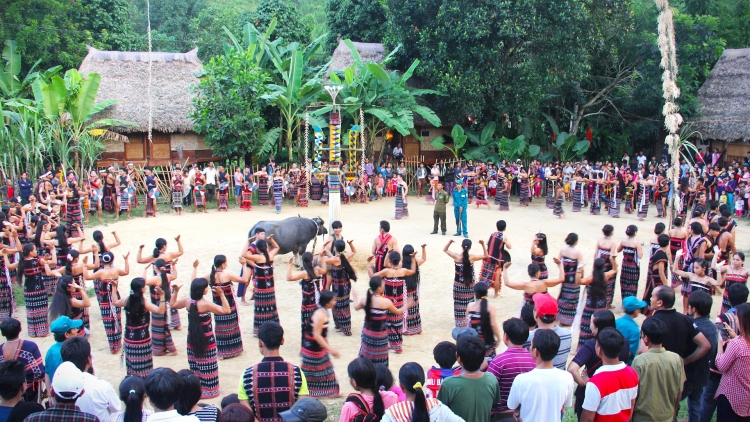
column 292, row 234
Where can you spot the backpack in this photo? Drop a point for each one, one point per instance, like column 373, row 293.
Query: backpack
column 365, row 415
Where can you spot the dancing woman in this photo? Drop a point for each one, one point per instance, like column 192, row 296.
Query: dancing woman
column 63, row 302
column 139, row 359
column 278, row 190
column 732, row 273
column 535, row 284
column 698, row 278
column 29, row 273
column 109, row 277
column 413, row 319
column 177, row 187
column 201, row 343
column 228, row 332
column 677, row 237
column 539, row 253
column 163, row 342
column 502, row 197
column 644, row 187
column 632, row 252
column 395, row 291
column 579, row 193
column 596, row 295
column 265, row 292
column 550, row 188
column 317, row 366
column 161, row 338
column 605, row 249
column 101, row 247
column 463, row 278
column 657, row 270
column 524, row 193
column 73, row 213
column 695, row 248
column 374, row 345
column 481, row 316
column 340, row 283
column 402, row 205
column 570, row 293
column 150, row 180
column 617, row 189
column 310, row 279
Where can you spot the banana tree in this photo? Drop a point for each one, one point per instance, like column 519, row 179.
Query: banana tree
column 568, row 146
column 483, row 144
column 11, row 85
column 459, row 140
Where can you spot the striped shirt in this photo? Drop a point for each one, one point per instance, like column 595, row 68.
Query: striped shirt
column 561, row 359
column 505, row 367
column 610, row 393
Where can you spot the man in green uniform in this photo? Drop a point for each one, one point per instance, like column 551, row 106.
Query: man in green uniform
column 441, row 200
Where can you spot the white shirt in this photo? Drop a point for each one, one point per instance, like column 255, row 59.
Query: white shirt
column 542, row 394
column 210, row 174
column 99, row 398
column 171, row 416
column 641, row 159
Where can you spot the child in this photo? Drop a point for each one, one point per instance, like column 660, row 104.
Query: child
column 739, row 203
column 445, row 356
column 381, row 185
column 723, row 198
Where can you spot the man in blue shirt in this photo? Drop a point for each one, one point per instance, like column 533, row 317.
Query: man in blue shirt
column 62, row 328
column 25, row 187
column 460, row 202
column 628, row 327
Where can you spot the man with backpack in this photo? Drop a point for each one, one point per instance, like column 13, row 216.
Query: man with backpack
column 273, row 385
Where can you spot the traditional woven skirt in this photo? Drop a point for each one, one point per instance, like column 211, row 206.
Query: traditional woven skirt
column 524, row 194
column 302, row 198
column 36, row 310
column 567, row 302
column 630, row 273
column 50, row 283
column 577, row 198
column 342, row 313
column 374, row 346
column 73, row 216
column 471, row 187
column 550, row 199
column 504, row 204
column 659, row 208
column 731, row 279
column 206, row 366
column 462, row 295
column 263, row 198
column 161, row 336
column 324, row 197
column 150, row 206
column 558, row 210
column 174, row 318
column 7, row 304
column 643, row 209
column 413, row 319
column 316, row 191
column 124, row 202
column 138, row 357
column 592, row 305
column 177, row 198
column 247, row 201
column 310, row 295
column 490, row 268
column 227, row 331
column 224, row 199
column 497, row 195
column 85, row 314
column 264, row 307
column 614, row 207
column 539, row 260
column 318, row 369
column 595, row 207
column 110, row 317
column 402, row 208
column 396, row 325
column 278, row 198
column 200, row 199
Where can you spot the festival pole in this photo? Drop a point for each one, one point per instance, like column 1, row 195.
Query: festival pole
column 334, row 159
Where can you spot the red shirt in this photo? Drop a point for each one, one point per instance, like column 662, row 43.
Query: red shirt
column 610, row 393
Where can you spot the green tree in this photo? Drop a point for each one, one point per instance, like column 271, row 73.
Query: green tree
column 289, row 25
column 357, row 20
column 12, row 86
column 109, row 21
column 229, row 104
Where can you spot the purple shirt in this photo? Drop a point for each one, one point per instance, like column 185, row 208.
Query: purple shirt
column 505, row 367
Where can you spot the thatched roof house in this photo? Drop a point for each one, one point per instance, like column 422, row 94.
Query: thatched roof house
column 369, row 51
column 125, row 78
column 725, row 103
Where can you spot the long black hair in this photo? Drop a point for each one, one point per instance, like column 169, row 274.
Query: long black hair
column 411, row 378
column 61, row 299
column 71, row 256
column 161, row 265
column 480, row 293
column 62, row 241
column 191, row 392
column 38, row 234
column 598, row 287
column 375, row 283
column 412, row 281
column 25, row 252
column 307, row 265
column 468, row 270
column 571, row 239
column 160, row 243
column 74, row 187
column 99, row 239
column 219, row 260
column 196, row 335
column 132, row 389
column 134, row 304
column 340, row 246
column 262, row 246
column 542, row 243
column 362, row 371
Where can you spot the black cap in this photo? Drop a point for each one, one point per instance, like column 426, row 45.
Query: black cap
column 306, row 409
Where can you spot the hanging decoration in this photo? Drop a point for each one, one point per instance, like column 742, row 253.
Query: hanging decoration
column 334, row 156
column 351, row 146
column 318, row 153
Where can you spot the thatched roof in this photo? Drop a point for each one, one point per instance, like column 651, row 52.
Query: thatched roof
column 369, row 51
column 125, row 79
column 725, row 99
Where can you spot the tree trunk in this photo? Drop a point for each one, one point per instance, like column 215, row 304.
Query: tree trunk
column 575, row 120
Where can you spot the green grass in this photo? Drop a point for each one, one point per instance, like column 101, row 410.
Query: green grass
column 21, row 301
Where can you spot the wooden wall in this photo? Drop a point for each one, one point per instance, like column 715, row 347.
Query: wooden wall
column 162, row 150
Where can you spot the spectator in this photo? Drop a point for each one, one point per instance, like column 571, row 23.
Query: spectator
column 641, row 159
column 191, row 394
column 737, row 294
column 384, row 378
column 715, row 157
column 527, row 316
column 163, row 388
column 306, row 409
column 471, row 394
column 210, row 174
column 25, row 188
column 733, row 360
column 62, row 329
column 417, row 407
column 229, row 399
column 628, row 327
column 12, row 387
column 587, row 357
column 26, row 352
column 67, row 388
column 611, row 392
column 506, row 366
column 545, row 315
column 369, row 400
column 132, row 393
column 272, row 374
column 100, row 399
column 237, row 412
column 541, row 394
column 699, row 307
column 445, row 356
column 660, row 376
column 398, row 153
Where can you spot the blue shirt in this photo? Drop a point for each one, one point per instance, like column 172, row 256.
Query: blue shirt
column 52, row 360
column 460, row 198
column 25, row 187
column 627, row 326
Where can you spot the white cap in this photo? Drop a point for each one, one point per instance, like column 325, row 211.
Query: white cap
column 68, row 381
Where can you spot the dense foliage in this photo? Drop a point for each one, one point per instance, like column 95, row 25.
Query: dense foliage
column 359, row 20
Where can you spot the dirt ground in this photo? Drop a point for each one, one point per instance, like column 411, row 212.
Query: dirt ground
column 206, row 235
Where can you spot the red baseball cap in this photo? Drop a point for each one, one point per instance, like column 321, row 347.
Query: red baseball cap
column 545, row 305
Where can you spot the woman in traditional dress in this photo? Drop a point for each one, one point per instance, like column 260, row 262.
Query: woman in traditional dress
column 463, row 279
column 596, row 296
column 124, row 194
column 395, row 291
column 732, row 273
column 481, row 316
column 698, row 277
column 310, row 279
column 27, row 356
column 617, row 187
column 658, row 273
column 108, row 277
column 246, row 203
column 502, row 198
column 164, row 274
column 660, row 195
column 7, row 299
column 227, row 326
column 413, row 319
column 596, row 194
column 644, row 187
column 263, row 188
column 302, row 189
column 201, row 343
column 29, row 272
column 551, row 182
column 265, row 290
column 177, row 185
column 402, row 190
column 278, row 190
column 570, row 293
column 632, row 252
column 535, row 284
column 316, row 364
column 340, row 282
column 605, row 249
column 695, row 248
column 95, row 196
column 579, row 193
column 162, row 342
column 374, row 346
column 539, row 253
column 139, row 359
column 65, row 304
column 677, row 237
column 97, row 251
column 222, row 201
column 150, row 180
column 199, row 192
column 73, row 213
column 524, row 192
column 559, row 198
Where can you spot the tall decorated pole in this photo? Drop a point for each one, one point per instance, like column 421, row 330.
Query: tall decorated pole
column 334, row 158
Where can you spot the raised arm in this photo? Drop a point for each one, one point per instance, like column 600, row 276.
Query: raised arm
column 116, row 242
column 139, row 258
column 450, row 253
column 676, row 267
column 484, row 255
column 126, row 270
column 84, row 302
column 515, row 285
column 424, row 255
